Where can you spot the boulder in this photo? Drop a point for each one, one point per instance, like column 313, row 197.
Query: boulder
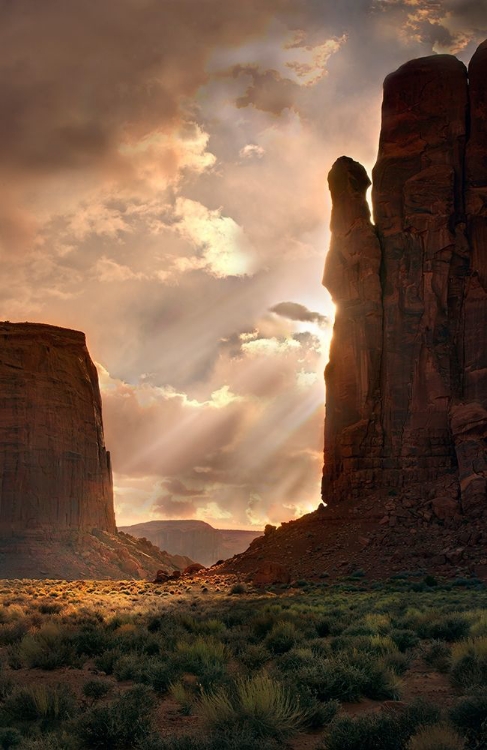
column 270, row 573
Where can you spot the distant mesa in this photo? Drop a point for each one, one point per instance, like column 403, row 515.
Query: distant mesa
column 56, row 497
column 196, row 539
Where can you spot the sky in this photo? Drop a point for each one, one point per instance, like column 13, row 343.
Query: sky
column 163, row 170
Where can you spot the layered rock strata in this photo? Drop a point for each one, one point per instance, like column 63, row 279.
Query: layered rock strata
column 55, row 471
column 407, row 377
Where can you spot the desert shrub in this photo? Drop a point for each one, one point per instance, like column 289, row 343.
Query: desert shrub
column 332, row 679
column 9, row 737
column 281, row 638
column 106, row 661
column 437, row 737
column 296, row 658
column 478, row 629
column 214, row 741
column 259, row 705
column 262, row 624
column 318, row 715
column 443, row 627
column 162, row 675
column 13, row 632
column 135, row 667
column 96, row 689
column 469, row 664
column 120, row 725
column 405, row 639
column 90, row 641
column 48, row 706
column 49, row 608
column 469, row 715
column 438, row 655
column 49, row 648
column 204, row 657
column 238, row 588
column 254, row 656
column 383, row 731
column 397, row 663
column 182, row 695
column 370, row 732
column 55, row 741
column 6, row 686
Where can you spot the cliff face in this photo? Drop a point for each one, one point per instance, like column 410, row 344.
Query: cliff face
column 407, row 378
column 54, row 467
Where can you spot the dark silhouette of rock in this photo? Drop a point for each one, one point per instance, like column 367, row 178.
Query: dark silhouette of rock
column 192, row 569
column 196, row 539
column 407, row 377
column 55, row 469
column 405, row 474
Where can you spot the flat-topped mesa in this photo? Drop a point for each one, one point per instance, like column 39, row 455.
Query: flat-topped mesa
column 423, row 421
column 55, row 470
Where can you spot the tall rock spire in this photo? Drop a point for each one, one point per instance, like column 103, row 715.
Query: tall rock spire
column 425, row 414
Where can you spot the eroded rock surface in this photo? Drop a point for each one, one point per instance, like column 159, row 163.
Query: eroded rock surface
column 407, row 378
column 55, row 469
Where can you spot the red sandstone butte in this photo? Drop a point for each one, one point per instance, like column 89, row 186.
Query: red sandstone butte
column 55, row 471
column 407, row 377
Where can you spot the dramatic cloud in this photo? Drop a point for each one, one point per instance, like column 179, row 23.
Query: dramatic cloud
column 295, row 311
column 163, row 188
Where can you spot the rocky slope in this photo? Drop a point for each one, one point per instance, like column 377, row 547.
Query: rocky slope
column 73, row 555
column 197, row 539
column 405, row 471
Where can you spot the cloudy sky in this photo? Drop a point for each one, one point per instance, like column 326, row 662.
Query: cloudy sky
column 163, row 188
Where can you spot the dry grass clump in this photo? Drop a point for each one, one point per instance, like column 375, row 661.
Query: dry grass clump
column 257, row 704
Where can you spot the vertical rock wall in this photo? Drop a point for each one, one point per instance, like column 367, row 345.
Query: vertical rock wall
column 426, row 419
column 54, row 468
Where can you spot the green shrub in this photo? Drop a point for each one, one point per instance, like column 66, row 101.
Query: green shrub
column 404, row 639
column 281, row 638
column 48, row 706
column 9, row 737
column 438, row 655
column 135, row 667
column 333, row 679
column 449, row 627
column 106, row 661
column 238, row 588
column 470, row 715
column 383, row 731
column 49, row 648
column 259, row 705
column 469, row 664
column 254, row 656
column 96, row 689
column 182, row 695
column 438, row 737
column 120, row 725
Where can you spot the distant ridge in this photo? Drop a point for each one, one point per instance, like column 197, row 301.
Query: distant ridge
column 195, row 539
